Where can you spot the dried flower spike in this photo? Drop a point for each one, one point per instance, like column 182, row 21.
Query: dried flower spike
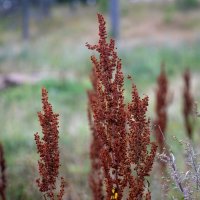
column 121, row 136
column 47, row 147
column 188, row 104
column 161, row 109
column 3, row 176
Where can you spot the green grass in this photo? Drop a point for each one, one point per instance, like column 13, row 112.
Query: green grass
column 19, row 123
column 144, row 62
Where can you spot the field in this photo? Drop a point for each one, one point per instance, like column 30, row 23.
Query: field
column 56, row 57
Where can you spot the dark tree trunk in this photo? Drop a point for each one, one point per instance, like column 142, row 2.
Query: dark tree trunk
column 45, row 7
column 114, row 16
column 25, row 19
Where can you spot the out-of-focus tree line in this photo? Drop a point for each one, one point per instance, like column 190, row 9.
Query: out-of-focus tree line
column 26, row 9
column 7, row 6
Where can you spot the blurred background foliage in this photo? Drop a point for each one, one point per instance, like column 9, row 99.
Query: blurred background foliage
column 42, row 43
column 186, row 4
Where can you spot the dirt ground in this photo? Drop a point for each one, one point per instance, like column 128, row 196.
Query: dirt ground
column 159, row 26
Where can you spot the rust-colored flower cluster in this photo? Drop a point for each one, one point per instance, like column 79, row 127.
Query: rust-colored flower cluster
column 188, row 103
column 48, row 150
column 120, row 154
column 3, row 176
column 161, row 109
